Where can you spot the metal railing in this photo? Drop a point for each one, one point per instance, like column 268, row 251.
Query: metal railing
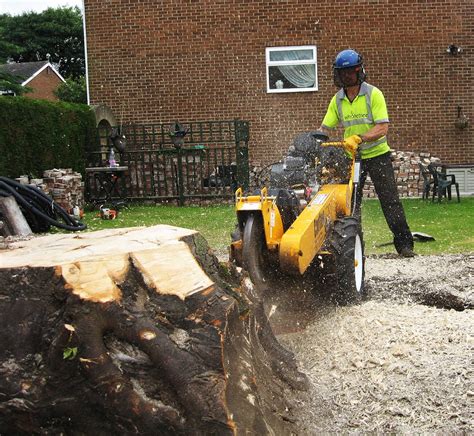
column 211, row 164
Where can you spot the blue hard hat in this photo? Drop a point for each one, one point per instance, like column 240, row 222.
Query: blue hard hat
column 347, row 59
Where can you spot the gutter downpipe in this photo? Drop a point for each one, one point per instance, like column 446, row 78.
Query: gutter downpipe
column 85, row 49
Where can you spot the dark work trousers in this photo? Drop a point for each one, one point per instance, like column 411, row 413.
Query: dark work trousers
column 380, row 169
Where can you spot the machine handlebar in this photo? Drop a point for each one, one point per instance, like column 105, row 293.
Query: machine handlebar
column 343, row 144
column 333, row 144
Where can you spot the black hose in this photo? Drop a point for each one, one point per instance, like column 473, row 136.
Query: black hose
column 40, row 210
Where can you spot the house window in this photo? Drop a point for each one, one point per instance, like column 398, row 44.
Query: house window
column 292, row 69
column 7, row 93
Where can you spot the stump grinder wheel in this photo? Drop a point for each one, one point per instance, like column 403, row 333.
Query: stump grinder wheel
column 255, row 256
column 347, row 244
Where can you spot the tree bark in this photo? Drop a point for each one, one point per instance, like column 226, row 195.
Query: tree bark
column 14, row 223
column 136, row 331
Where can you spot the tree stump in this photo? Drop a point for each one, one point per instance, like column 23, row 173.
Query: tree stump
column 14, row 221
column 135, row 331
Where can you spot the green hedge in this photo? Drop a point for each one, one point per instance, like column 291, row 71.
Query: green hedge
column 36, row 135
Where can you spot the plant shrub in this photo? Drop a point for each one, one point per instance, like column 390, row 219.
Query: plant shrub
column 36, row 135
column 72, row 91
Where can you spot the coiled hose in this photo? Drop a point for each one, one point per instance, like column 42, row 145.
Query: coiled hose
column 40, row 211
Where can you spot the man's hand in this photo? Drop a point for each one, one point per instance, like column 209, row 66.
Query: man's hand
column 351, row 143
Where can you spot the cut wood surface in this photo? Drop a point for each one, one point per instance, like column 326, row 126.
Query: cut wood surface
column 136, row 330
column 92, row 264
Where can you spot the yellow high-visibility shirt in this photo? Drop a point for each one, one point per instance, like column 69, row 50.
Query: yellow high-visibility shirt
column 367, row 110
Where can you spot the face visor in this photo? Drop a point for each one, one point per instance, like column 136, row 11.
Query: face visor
column 351, row 76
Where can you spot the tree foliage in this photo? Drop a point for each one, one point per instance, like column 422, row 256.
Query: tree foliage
column 72, row 91
column 9, row 84
column 55, row 34
column 36, row 135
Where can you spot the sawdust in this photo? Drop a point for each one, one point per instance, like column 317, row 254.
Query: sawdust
column 401, row 362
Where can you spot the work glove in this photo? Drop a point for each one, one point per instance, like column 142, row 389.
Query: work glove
column 351, row 143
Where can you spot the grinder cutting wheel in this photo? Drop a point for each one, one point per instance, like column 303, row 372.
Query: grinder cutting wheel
column 307, row 213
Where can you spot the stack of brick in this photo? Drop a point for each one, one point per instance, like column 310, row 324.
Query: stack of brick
column 407, row 173
column 37, row 183
column 65, row 187
column 405, row 165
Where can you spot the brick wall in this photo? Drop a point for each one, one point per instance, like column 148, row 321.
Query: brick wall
column 43, row 85
column 201, row 59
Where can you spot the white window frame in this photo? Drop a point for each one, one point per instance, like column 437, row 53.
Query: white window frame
column 270, row 63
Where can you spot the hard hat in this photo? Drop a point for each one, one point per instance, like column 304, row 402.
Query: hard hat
column 347, row 60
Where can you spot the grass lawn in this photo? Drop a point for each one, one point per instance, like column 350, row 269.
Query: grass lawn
column 215, row 223
column 452, row 225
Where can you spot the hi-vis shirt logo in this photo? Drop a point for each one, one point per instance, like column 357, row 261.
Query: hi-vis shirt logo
column 355, row 116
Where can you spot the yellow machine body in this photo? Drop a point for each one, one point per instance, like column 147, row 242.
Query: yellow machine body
column 266, row 205
column 305, row 238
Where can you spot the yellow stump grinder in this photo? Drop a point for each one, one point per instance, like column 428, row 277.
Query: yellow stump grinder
column 306, row 219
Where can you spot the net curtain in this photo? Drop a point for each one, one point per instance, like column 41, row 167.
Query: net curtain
column 301, row 76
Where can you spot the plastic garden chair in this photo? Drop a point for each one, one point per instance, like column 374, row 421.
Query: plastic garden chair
column 427, row 181
column 443, row 183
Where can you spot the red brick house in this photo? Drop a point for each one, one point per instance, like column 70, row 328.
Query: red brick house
column 41, row 77
column 201, row 59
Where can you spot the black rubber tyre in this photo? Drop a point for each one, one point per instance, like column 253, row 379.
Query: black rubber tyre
column 347, row 246
column 255, row 257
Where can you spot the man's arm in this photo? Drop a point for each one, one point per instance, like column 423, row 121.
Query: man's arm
column 331, row 119
column 375, row 132
column 325, row 130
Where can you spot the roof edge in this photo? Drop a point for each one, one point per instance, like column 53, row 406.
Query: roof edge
column 40, row 71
